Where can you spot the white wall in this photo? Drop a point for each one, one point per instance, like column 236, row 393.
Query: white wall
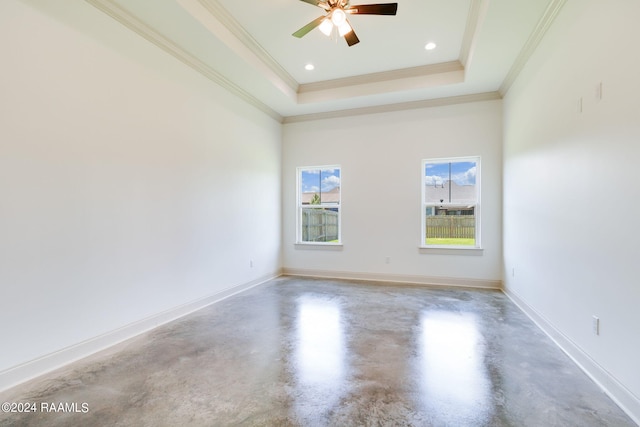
column 571, row 192
column 129, row 183
column 381, row 158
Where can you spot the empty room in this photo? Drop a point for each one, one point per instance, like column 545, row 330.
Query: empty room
column 319, row 213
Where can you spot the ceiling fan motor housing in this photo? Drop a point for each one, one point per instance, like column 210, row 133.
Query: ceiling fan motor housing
column 337, row 11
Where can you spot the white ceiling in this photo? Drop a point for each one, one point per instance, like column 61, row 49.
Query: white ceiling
column 247, row 47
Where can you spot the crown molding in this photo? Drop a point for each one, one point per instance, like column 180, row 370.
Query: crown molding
column 543, row 25
column 216, row 9
column 477, row 13
column 125, row 18
column 217, row 20
column 383, row 82
column 382, row 77
column 429, row 103
column 245, row 46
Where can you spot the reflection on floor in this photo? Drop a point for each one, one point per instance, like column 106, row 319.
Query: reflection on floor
column 311, row 352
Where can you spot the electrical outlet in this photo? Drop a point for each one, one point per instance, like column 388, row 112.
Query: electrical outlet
column 595, row 324
column 387, row 260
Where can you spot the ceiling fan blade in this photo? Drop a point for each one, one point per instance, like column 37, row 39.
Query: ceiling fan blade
column 351, row 38
column 310, row 26
column 313, row 2
column 374, row 9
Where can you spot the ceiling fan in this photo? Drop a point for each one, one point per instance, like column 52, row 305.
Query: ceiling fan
column 336, row 17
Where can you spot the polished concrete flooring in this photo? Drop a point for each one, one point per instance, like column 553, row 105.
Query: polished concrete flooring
column 311, row 352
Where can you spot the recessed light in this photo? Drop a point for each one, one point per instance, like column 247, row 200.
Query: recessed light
column 430, row 46
column 309, row 67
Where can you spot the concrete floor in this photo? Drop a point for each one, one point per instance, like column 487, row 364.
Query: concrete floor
column 310, row 352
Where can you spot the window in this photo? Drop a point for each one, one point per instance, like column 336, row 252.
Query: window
column 451, row 203
column 318, row 218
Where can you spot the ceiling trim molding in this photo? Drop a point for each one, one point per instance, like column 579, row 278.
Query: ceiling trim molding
column 384, row 82
column 255, row 54
column 216, row 9
column 131, row 22
column 543, row 25
column 382, row 77
column 429, row 103
column 477, row 13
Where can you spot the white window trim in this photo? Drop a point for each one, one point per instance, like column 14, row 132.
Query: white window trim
column 443, row 249
column 299, row 240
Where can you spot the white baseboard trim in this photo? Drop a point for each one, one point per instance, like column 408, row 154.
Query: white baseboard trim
column 50, row 362
column 396, row 278
column 621, row 395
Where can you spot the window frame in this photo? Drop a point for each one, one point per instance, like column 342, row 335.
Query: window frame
column 426, row 204
column 300, row 205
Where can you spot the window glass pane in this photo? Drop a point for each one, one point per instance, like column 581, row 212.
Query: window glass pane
column 451, row 182
column 451, row 202
column 320, row 186
column 463, row 182
column 319, row 204
column 320, row 224
column 453, row 225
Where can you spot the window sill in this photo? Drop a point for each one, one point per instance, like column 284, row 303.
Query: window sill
column 448, row 250
column 318, row 246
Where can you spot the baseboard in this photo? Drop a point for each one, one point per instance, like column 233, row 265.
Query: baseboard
column 396, row 278
column 622, row 396
column 32, row 369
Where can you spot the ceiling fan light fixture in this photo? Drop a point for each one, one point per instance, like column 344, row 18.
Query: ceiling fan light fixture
column 338, row 17
column 345, row 28
column 326, row 27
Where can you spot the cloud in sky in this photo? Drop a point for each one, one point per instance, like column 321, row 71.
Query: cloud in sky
column 433, row 180
column 467, row 177
column 315, row 180
column 330, row 182
column 462, row 173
